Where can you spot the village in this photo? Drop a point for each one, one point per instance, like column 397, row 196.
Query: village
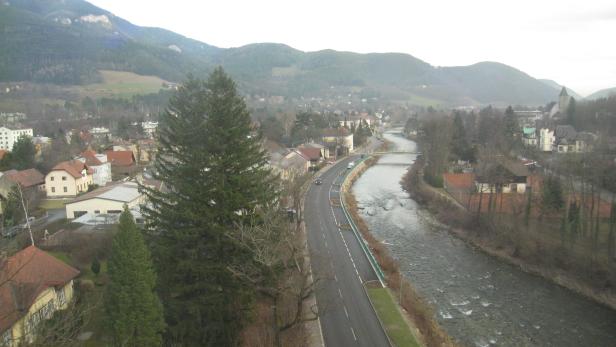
column 61, row 221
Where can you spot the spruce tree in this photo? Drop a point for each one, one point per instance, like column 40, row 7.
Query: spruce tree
column 133, row 310
column 215, row 176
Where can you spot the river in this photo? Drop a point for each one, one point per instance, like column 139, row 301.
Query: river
column 479, row 300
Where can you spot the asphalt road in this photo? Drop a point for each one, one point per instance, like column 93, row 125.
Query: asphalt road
column 340, row 266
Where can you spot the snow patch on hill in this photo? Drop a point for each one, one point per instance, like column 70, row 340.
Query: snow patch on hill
column 94, row 19
column 175, row 48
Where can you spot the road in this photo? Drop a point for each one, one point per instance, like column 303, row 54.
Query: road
column 338, row 262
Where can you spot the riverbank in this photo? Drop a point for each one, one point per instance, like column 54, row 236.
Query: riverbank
column 416, row 309
column 510, row 246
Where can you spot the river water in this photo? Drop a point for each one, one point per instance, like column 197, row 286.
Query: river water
column 479, row 300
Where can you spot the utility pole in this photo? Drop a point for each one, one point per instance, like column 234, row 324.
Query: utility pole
column 23, row 204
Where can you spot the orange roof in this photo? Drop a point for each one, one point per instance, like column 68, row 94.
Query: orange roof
column 120, row 158
column 90, row 157
column 459, row 180
column 24, row 277
column 73, row 167
column 310, row 153
column 3, row 152
column 26, row 178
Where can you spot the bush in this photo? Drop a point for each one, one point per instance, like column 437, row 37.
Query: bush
column 96, row 266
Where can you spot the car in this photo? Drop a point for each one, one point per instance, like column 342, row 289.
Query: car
column 318, row 182
column 351, row 165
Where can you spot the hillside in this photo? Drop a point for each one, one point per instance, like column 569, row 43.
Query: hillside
column 559, row 87
column 70, row 41
column 604, row 93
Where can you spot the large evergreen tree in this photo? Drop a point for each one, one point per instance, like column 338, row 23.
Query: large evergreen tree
column 134, row 313
column 214, row 173
column 22, row 156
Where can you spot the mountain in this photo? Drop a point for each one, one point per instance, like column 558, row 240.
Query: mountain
column 603, row 93
column 559, row 87
column 70, row 41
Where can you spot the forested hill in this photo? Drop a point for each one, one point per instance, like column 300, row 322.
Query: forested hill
column 68, row 41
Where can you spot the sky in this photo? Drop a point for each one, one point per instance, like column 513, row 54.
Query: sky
column 570, row 42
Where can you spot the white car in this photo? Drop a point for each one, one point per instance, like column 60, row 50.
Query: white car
column 351, row 165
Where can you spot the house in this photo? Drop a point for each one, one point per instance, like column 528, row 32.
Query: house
column 122, row 162
column 546, row 139
column 324, row 150
column 313, row 154
column 147, row 149
column 528, row 118
column 529, row 137
column 100, row 133
column 105, row 200
column 289, row 164
column 502, row 176
column 568, row 140
column 33, row 286
column 339, row 141
column 100, row 166
column 149, row 128
column 8, row 137
column 67, row 179
column 31, row 181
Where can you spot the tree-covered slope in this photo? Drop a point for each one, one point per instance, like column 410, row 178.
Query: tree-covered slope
column 68, row 41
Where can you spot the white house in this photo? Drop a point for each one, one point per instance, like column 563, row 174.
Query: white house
column 149, row 128
column 338, row 140
column 100, row 166
column 8, row 137
column 106, row 200
column 546, row 139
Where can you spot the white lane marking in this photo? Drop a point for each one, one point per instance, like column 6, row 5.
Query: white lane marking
column 340, row 292
column 335, row 278
column 346, row 312
column 353, row 331
column 325, row 243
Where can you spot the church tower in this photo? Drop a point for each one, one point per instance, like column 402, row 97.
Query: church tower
column 563, row 100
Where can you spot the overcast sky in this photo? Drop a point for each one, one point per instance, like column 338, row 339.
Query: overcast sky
column 571, row 42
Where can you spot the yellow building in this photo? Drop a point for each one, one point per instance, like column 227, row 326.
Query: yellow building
column 33, row 285
column 67, row 179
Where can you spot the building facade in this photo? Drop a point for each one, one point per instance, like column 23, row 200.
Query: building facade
column 8, row 137
column 68, row 179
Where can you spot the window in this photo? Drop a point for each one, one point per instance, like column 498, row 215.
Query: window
column 53, row 189
column 64, row 178
column 51, row 178
column 61, row 296
column 97, row 211
column 65, row 189
column 114, row 211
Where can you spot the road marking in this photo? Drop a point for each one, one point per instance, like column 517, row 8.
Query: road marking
column 353, row 331
column 325, row 243
column 335, row 278
column 340, row 292
column 360, row 280
column 346, row 312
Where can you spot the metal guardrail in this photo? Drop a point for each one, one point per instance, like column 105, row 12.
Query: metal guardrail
column 364, row 245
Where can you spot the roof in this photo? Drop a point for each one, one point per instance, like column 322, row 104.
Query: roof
column 26, row 178
column 121, row 158
column 459, row 180
column 121, row 192
column 91, row 158
column 73, row 167
column 563, row 92
column 528, row 131
column 26, row 275
column 3, row 152
column 565, row 131
column 310, row 153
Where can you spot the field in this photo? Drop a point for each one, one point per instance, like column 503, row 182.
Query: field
column 122, row 84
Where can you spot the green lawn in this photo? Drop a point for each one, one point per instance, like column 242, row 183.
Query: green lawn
column 52, row 204
column 395, row 325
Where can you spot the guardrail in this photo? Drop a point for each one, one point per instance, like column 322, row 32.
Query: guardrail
column 364, row 245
